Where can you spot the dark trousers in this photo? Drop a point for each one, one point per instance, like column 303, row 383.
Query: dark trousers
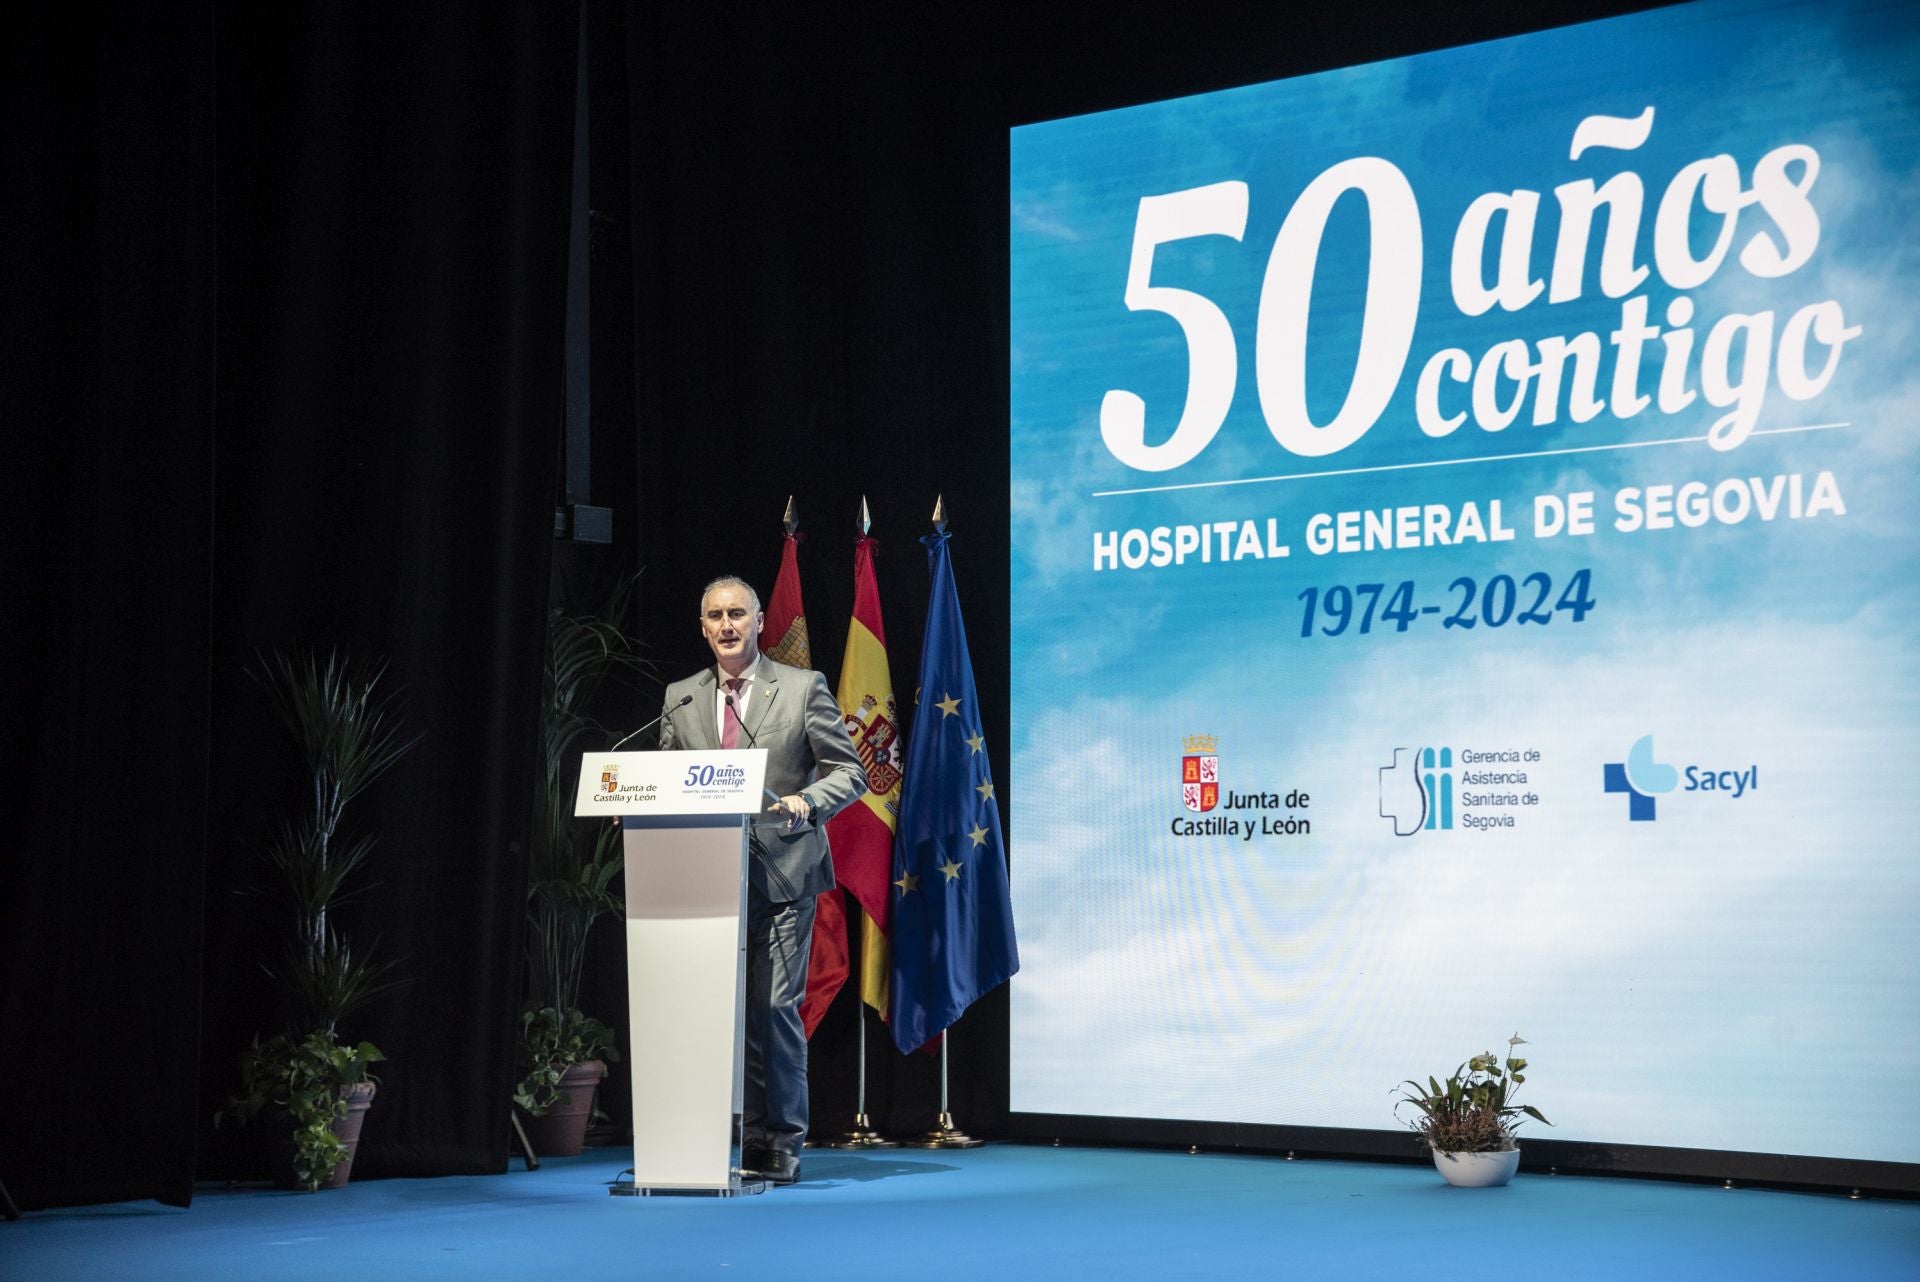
column 774, row 1112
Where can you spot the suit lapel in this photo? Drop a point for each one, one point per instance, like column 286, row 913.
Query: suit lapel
column 761, row 703
column 704, row 738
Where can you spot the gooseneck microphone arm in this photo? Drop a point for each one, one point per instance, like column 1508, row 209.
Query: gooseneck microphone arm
column 754, row 740
column 685, row 699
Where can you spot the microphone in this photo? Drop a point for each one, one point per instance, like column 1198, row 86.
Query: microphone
column 685, row 699
column 754, row 740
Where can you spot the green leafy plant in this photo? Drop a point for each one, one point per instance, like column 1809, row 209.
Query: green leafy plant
column 552, row 1041
column 346, row 731
column 348, row 736
column 309, row 1078
column 573, row 865
column 1473, row 1111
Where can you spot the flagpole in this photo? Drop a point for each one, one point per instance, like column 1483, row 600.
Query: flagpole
column 862, row 1135
column 944, row 1133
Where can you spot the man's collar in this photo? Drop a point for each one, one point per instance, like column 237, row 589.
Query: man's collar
column 751, row 672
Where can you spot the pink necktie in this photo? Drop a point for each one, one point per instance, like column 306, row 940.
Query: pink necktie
column 730, row 722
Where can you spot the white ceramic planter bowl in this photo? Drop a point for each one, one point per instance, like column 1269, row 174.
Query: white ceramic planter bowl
column 1477, row 1170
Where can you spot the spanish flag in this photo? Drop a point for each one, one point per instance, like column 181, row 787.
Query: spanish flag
column 862, row 834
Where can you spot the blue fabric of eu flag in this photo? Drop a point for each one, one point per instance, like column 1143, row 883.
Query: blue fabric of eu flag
column 952, row 918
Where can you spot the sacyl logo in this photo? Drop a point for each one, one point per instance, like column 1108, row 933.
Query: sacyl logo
column 1642, row 778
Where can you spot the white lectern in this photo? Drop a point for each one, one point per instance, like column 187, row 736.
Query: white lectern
column 684, row 819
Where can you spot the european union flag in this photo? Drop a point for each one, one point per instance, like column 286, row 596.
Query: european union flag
column 952, row 918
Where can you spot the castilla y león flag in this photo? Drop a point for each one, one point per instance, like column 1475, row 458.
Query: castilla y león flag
column 785, row 639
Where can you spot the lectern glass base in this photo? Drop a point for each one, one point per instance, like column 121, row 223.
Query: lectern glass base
column 623, row 1186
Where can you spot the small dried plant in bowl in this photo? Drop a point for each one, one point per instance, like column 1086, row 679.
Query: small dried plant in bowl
column 1472, row 1111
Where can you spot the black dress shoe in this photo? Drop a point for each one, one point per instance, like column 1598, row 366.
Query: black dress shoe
column 779, row 1168
column 753, row 1161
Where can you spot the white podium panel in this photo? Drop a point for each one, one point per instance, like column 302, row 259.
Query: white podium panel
column 686, row 958
column 683, row 818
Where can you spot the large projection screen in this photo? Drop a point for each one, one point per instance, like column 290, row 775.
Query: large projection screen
column 1463, row 583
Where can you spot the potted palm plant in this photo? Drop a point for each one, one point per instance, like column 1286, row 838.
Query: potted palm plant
column 571, row 886
column 1469, row 1122
column 316, row 1087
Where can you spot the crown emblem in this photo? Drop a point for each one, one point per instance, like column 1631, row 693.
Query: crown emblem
column 1202, row 743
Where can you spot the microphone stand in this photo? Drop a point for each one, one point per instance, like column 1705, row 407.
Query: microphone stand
column 685, row 699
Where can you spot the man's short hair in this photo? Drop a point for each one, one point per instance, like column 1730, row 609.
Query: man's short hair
column 729, row 581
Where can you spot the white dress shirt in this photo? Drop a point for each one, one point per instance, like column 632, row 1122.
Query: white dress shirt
column 739, row 700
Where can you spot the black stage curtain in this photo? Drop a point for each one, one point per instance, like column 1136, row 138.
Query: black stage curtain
column 819, row 258
column 106, row 412
column 393, row 184
column 285, row 296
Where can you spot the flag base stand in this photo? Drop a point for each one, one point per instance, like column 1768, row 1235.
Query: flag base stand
column 944, row 1135
column 861, row 1136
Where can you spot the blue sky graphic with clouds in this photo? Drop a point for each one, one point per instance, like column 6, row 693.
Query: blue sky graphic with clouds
column 1749, row 944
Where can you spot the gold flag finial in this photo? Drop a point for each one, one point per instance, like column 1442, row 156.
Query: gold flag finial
column 940, row 514
column 866, row 518
column 791, row 521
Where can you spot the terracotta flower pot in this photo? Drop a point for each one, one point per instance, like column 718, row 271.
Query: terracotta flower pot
column 359, row 1100
column 563, row 1131
column 359, row 1097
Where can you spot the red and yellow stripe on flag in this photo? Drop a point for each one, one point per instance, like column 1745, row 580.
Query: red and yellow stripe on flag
column 862, row 834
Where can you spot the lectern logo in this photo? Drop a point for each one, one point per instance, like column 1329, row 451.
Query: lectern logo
column 1200, row 773
column 609, row 778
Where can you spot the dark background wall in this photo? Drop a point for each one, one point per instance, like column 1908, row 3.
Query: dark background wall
column 283, row 344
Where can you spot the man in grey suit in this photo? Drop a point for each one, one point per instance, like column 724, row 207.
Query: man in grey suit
column 747, row 700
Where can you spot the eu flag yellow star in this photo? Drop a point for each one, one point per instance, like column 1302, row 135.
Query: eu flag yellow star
column 979, row 836
column 985, row 790
column 978, row 743
column 948, row 706
column 909, row 883
column 951, row 868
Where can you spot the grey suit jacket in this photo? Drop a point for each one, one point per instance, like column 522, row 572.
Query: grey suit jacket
column 795, row 719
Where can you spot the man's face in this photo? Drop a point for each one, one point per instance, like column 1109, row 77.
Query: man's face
column 731, row 626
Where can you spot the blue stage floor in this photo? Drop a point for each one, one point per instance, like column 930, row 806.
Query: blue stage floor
column 998, row 1213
